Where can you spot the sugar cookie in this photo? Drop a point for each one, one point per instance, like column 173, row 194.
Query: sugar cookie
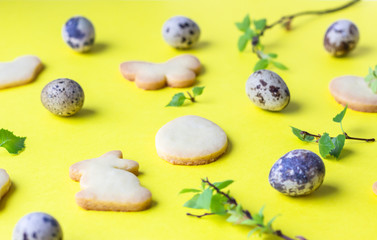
column 177, row 72
column 190, row 140
column 20, row 71
column 4, row 182
column 109, row 183
column 354, row 91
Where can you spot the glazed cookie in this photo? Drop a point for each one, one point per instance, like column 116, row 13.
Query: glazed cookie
column 109, row 183
column 177, row 72
column 4, row 182
column 190, row 140
column 20, row 71
column 354, row 91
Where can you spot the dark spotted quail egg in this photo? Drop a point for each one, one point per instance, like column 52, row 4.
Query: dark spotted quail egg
column 37, row 226
column 267, row 90
column 78, row 33
column 299, row 172
column 63, row 97
column 341, row 37
column 180, row 32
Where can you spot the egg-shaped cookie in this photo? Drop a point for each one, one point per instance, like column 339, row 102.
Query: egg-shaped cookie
column 191, row 140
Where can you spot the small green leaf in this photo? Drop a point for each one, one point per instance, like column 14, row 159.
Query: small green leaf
column 279, row 65
column 192, row 203
column 325, row 145
column 261, row 64
column 261, row 210
column 260, row 24
column 338, row 143
column 177, row 100
column 187, row 190
column 302, row 137
column 217, row 204
column 272, row 55
column 197, row 91
column 339, row 117
column 249, row 222
column 255, row 230
column 245, row 24
column 10, row 142
column 373, row 86
column 224, row 184
column 204, row 200
column 269, row 224
column 242, row 41
column 249, row 33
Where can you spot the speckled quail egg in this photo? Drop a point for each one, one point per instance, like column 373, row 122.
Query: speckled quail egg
column 180, row 32
column 37, row 226
column 78, row 33
column 63, row 97
column 299, row 172
column 267, row 90
column 341, row 37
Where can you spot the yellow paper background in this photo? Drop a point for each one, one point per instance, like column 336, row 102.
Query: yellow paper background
column 118, row 115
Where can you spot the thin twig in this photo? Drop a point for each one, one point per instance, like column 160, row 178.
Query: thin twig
column 361, row 139
column 192, row 99
column 199, row 216
column 345, row 134
column 289, row 18
column 230, row 199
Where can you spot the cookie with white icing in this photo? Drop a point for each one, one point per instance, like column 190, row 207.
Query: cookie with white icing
column 20, row 71
column 178, row 72
column 191, row 140
column 109, row 183
column 354, row 91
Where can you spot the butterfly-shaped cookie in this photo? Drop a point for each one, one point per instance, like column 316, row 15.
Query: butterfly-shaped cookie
column 109, row 183
column 177, row 72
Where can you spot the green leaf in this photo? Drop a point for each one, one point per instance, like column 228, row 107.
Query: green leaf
column 10, row 142
column 187, row 190
column 249, row 33
column 217, row 204
column 272, row 55
column 373, row 86
column 339, row 117
column 338, row 143
column 192, row 203
column 260, row 24
column 256, row 229
column 269, row 224
column 242, row 41
column 279, row 65
column 245, row 24
column 302, row 137
column 261, row 64
column 224, row 184
column 197, row 91
column 177, row 100
column 205, row 198
column 325, row 145
column 249, row 222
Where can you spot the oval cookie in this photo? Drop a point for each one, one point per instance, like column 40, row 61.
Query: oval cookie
column 354, row 91
column 190, row 140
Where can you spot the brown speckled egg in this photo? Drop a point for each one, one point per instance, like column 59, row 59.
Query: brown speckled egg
column 341, row 37
column 63, row 97
column 299, row 172
column 267, row 90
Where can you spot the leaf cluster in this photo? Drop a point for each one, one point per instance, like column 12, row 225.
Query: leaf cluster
column 253, row 32
column 210, row 197
column 179, row 98
column 328, row 146
column 10, row 142
column 371, row 79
